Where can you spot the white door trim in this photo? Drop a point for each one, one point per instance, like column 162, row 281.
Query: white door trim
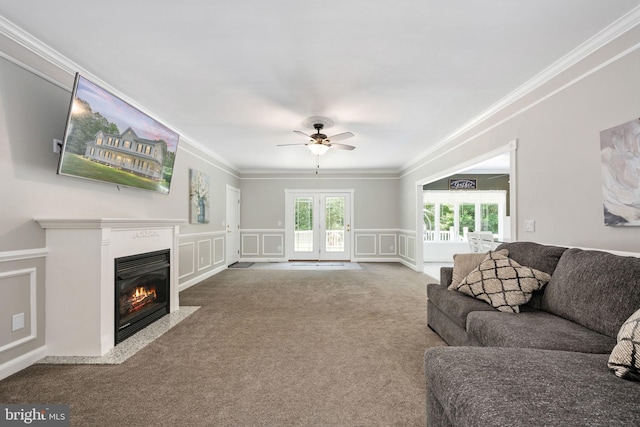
column 232, row 241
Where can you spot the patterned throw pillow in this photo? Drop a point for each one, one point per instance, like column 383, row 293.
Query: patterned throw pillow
column 463, row 264
column 625, row 357
column 502, row 282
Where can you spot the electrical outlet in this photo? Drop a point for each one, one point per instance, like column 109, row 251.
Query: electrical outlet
column 17, row 322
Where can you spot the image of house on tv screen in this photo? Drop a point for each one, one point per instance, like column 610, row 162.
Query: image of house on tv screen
column 109, row 140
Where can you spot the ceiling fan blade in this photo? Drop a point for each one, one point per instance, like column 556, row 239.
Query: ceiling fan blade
column 340, row 136
column 302, row 134
column 297, row 143
column 342, row 146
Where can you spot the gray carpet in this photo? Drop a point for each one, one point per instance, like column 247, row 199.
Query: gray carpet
column 267, row 348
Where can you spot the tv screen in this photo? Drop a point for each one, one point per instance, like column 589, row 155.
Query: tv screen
column 106, row 139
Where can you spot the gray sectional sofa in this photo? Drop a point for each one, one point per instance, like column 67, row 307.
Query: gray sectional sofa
column 545, row 366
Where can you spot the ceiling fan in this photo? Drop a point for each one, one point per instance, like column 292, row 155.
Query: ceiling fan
column 320, row 143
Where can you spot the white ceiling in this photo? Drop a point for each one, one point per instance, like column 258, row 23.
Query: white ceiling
column 238, row 77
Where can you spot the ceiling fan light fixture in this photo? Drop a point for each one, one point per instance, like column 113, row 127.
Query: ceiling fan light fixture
column 318, row 149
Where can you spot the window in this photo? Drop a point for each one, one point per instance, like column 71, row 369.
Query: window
column 467, row 221
column 450, row 215
column 489, row 217
column 429, row 217
column 447, row 219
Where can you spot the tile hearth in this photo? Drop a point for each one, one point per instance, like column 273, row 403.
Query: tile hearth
column 128, row 347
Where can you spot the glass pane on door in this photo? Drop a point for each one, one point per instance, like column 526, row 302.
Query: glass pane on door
column 303, row 226
column 467, row 218
column 334, row 223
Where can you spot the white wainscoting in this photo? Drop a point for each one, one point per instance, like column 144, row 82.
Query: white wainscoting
column 273, row 245
column 30, row 313
column 369, row 245
column 380, row 245
column 263, row 245
column 22, row 284
column 365, row 245
column 388, row 244
column 205, row 254
column 187, row 257
column 218, row 250
column 201, row 255
column 250, row 244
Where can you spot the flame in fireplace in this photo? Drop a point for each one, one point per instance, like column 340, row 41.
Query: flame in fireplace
column 137, row 299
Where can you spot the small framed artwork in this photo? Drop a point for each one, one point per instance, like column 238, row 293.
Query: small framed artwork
column 463, row 184
column 199, row 197
column 620, row 160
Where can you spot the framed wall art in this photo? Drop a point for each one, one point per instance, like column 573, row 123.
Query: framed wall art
column 620, row 160
column 199, row 197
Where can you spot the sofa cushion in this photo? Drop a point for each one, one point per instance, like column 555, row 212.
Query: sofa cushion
column 463, row 264
column 541, row 257
column 485, row 386
column 448, row 330
column 455, row 304
column 625, row 357
column 596, row 289
column 535, row 329
column 502, row 282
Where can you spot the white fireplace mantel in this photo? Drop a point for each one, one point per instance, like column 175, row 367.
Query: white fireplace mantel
column 80, row 289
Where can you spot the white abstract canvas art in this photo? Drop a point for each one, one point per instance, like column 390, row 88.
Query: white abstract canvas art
column 620, row 156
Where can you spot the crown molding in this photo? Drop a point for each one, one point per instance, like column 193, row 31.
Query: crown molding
column 37, row 47
column 52, row 56
column 57, row 59
column 624, row 24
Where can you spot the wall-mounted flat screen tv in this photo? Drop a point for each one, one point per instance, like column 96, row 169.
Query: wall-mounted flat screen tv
column 106, row 139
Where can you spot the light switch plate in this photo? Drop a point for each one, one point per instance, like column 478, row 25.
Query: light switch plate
column 529, row 225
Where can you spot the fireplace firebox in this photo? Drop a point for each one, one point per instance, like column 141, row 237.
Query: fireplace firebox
column 141, row 291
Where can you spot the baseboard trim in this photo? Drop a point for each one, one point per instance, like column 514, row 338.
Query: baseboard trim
column 263, row 259
column 21, row 362
column 194, row 281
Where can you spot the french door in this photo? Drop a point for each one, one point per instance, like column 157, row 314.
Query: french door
column 318, row 225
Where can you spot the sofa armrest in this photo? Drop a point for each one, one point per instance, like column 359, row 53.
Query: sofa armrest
column 446, row 275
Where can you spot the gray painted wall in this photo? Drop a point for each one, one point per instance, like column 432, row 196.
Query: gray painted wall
column 32, row 113
column 557, row 130
column 263, row 199
column 375, row 222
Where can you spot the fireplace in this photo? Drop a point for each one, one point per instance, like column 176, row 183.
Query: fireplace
column 141, row 291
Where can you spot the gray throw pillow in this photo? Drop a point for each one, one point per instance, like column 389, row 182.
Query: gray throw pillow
column 502, row 282
column 625, row 357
